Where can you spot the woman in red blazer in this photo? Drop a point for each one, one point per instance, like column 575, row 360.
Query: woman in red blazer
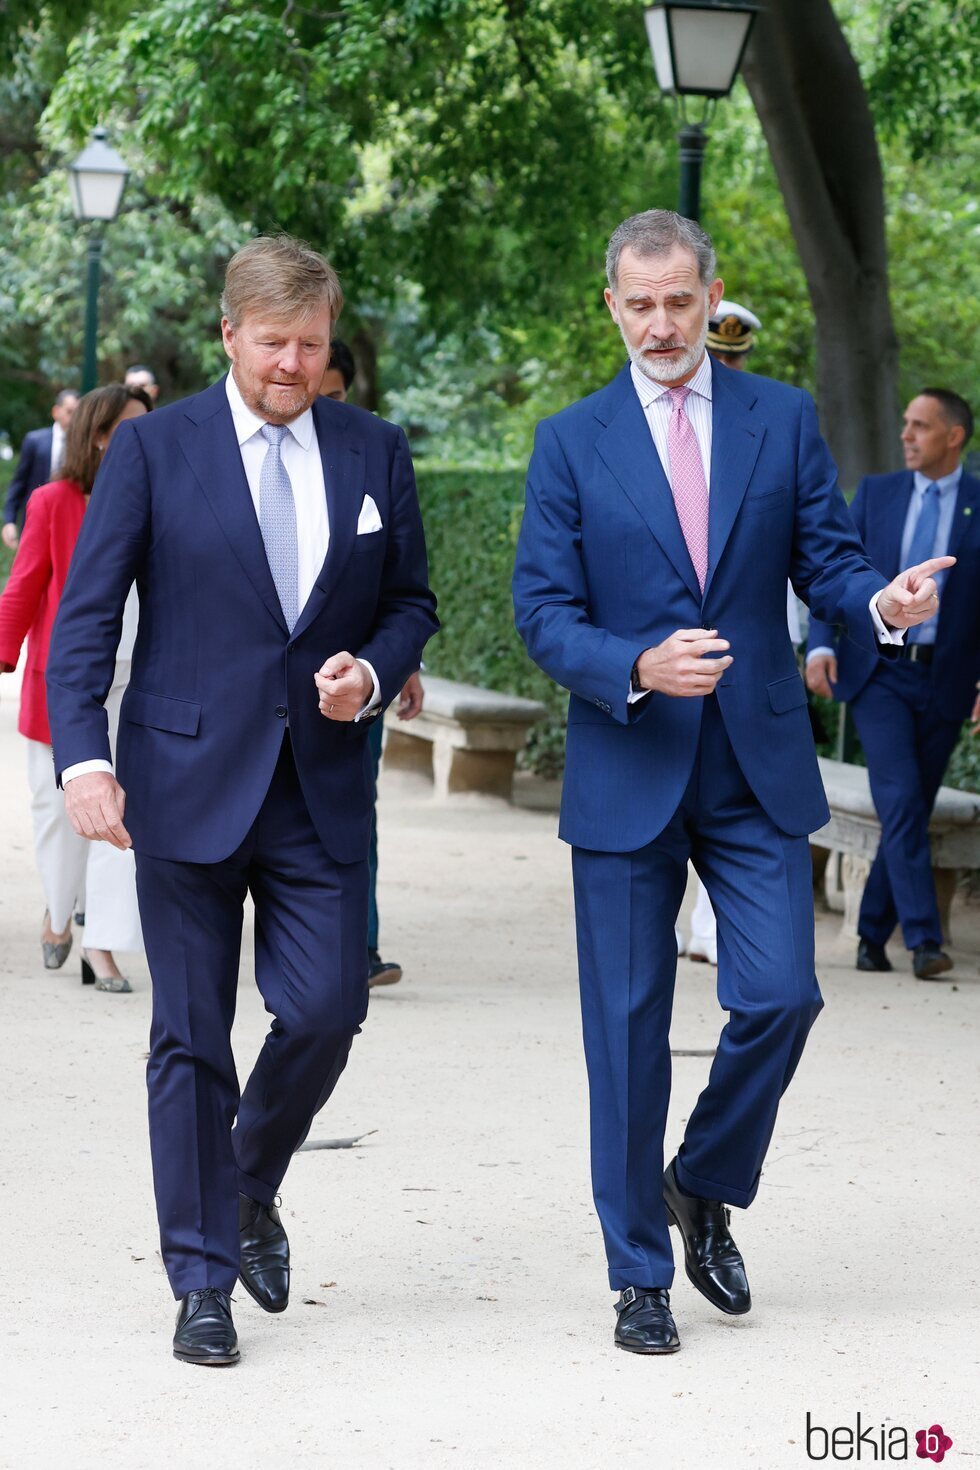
column 27, row 609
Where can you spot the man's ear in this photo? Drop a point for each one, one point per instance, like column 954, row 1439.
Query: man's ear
column 228, row 337
column 715, row 292
column 610, row 301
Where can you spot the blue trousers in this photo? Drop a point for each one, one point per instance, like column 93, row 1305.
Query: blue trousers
column 907, row 749
column 209, row 1141
column 760, row 884
column 375, row 736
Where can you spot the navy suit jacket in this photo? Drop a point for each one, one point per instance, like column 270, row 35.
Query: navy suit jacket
column 880, row 508
column 215, row 670
column 603, row 573
column 33, row 469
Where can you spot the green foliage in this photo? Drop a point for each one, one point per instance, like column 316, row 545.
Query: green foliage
column 963, row 771
column 471, row 522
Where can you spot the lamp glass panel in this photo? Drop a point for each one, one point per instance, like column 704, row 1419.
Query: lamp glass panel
column 99, row 193
column 656, row 19
column 707, row 47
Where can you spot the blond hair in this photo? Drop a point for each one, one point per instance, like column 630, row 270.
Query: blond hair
column 282, row 278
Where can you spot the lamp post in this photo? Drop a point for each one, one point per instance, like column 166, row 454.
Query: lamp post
column 96, row 181
column 697, row 48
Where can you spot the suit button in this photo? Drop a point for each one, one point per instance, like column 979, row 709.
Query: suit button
column 281, row 711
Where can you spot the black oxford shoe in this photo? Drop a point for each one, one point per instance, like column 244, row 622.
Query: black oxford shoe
column 711, row 1257
column 929, row 962
column 264, row 1262
column 643, row 1321
column 205, row 1332
column 871, row 956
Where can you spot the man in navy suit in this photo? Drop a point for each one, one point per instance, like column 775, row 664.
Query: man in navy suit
column 275, row 540
column 663, row 516
column 909, row 713
column 40, row 458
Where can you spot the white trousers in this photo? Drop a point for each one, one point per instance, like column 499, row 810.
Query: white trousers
column 76, row 873
column 703, row 917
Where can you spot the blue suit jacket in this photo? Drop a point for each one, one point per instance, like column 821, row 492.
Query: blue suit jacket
column 603, row 573
column 214, row 668
column 33, row 469
column 879, row 509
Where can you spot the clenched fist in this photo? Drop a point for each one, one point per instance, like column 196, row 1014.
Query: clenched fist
column 679, row 667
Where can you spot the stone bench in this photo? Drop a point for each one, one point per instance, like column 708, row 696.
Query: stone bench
column 466, row 738
column 853, row 833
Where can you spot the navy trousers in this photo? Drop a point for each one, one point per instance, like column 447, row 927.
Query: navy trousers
column 208, row 1140
column 907, row 749
column 760, row 884
column 375, row 740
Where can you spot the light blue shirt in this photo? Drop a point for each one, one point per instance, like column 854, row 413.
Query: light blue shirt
column 948, row 489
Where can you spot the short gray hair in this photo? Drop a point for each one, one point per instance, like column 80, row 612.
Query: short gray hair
column 281, row 276
column 655, row 232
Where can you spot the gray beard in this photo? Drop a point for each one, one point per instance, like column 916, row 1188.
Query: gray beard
column 668, row 372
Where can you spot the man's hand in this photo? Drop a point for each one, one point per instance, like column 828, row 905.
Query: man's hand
column 412, row 698
column 96, row 805
column 820, row 673
column 912, row 597
column 345, row 686
column 9, row 535
column 678, row 666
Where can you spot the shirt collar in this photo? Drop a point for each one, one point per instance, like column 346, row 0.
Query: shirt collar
column 648, row 391
column 248, row 424
column 946, row 483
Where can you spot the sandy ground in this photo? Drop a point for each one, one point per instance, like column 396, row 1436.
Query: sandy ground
column 449, row 1300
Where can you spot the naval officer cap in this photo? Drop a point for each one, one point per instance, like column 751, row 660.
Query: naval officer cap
column 732, row 328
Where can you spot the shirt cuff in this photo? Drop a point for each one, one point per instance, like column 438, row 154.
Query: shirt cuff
column 894, row 636
column 375, row 699
column 817, row 652
column 83, row 768
column 635, row 695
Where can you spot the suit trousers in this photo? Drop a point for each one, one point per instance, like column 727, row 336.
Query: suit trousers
column 907, row 747
column 209, row 1141
column 760, row 884
column 375, row 743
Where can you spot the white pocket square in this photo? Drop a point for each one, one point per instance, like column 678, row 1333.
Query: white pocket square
column 369, row 519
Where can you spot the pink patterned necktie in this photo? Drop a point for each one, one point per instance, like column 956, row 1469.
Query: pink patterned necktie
column 688, row 485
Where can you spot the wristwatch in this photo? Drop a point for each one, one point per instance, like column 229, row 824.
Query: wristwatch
column 635, row 684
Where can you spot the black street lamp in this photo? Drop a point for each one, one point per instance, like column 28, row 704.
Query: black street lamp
column 697, row 48
column 96, row 180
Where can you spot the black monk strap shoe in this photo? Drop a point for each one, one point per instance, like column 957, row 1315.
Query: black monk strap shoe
column 871, row 956
column 929, row 962
column 711, row 1257
column 205, row 1332
column 264, row 1261
column 643, row 1321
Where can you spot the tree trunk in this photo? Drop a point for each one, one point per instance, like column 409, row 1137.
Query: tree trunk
column 814, row 112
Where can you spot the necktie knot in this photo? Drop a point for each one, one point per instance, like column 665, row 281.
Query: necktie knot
column 678, row 397
column 274, row 433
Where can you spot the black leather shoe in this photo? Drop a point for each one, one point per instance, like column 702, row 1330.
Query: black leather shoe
column 205, row 1332
column 929, row 961
column 264, row 1262
column 711, row 1257
column 872, row 956
column 382, row 972
column 643, row 1321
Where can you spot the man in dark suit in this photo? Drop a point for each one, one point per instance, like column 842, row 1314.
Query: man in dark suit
column 909, row 713
column 40, row 458
column 276, row 543
column 664, row 514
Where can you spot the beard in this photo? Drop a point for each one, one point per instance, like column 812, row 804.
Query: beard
column 286, row 404
column 660, row 370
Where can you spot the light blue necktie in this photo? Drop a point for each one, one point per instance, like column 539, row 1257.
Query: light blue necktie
column 922, row 543
column 277, row 522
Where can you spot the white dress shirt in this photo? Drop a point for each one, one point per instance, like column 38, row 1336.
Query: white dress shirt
column 698, row 405
column 300, row 454
column 57, row 448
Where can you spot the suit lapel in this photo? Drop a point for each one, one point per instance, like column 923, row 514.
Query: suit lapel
column 627, row 448
column 210, row 446
column 967, row 509
column 342, row 455
column 895, row 526
column 736, row 438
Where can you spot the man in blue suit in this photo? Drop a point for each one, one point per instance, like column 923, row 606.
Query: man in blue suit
column 275, row 540
column 909, row 713
column 40, row 457
column 663, row 516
